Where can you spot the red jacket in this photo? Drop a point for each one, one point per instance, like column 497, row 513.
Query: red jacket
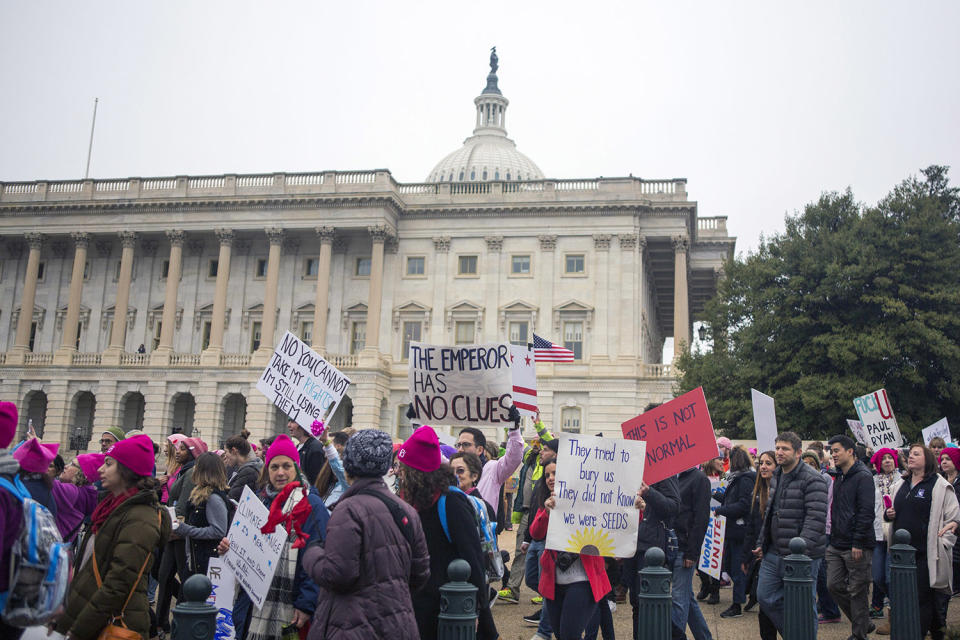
column 592, row 565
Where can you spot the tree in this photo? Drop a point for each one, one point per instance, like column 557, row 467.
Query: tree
column 849, row 299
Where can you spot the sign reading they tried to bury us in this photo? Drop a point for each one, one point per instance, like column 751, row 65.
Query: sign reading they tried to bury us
column 679, row 435
column 879, row 425
column 596, row 485
column 301, row 383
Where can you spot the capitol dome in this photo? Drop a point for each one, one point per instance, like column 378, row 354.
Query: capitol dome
column 488, row 155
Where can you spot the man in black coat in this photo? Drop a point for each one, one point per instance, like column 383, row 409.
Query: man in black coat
column 311, row 452
column 852, row 536
column 690, row 526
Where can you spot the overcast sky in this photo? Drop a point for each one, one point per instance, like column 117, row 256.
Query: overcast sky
column 760, row 106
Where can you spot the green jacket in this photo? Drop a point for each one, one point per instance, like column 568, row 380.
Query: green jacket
column 127, row 539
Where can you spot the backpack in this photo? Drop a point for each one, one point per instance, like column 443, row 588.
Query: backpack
column 39, row 564
column 492, row 560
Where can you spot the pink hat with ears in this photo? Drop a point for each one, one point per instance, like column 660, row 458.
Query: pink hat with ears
column 34, row 456
column 421, row 451
column 134, row 453
column 8, row 423
column 282, row 446
column 195, row 445
column 89, row 463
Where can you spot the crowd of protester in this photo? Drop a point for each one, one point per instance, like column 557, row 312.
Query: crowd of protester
column 372, row 526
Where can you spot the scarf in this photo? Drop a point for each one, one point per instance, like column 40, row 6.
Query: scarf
column 106, row 507
column 291, row 511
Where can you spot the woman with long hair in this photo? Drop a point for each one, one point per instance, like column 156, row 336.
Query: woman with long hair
column 331, row 480
column 110, row 583
column 171, row 467
column 208, row 510
column 535, row 547
column 767, row 464
column 887, row 463
column 736, row 506
column 296, row 507
column 424, row 483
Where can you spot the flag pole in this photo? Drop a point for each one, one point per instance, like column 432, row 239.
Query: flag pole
column 86, row 174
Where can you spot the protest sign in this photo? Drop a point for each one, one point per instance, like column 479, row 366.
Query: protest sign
column 523, row 367
column 253, row 555
column 857, row 428
column 222, row 589
column 764, row 420
column 301, row 383
column 879, row 425
column 940, row 429
column 596, row 485
column 465, row 385
column 679, row 435
column 711, row 551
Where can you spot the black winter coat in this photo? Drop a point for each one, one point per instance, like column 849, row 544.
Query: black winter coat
column 312, row 458
column 246, row 475
column 852, row 511
column 797, row 507
column 736, row 503
column 694, row 513
column 663, row 504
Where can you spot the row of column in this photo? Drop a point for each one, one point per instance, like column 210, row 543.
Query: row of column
column 378, row 234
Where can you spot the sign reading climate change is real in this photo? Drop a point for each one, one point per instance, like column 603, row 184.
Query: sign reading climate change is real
column 596, row 485
column 301, row 383
column 464, row 385
column 253, row 555
column 879, row 425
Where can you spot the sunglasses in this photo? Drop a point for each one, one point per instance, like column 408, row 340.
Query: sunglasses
column 460, row 471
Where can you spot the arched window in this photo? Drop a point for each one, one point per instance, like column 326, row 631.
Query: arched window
column 508, row 176
column 484, row 175
column 496, row 174
column 461, row 176
column 473, row 174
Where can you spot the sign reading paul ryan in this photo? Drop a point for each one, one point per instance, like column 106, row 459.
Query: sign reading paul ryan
column 301, row 383
column 464, row 385
column 879, row 425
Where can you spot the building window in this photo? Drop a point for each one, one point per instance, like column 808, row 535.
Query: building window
column 306, row 331
column 570, row 420
column 256, row 331
column 358, row 336
column 86, row 271
column 157, row 329
column 412, row 331
column 519, row 332
column 33, row 335
column 520, row 265
column 416, row 265
column 467, row 265
column 205, row 340
column 362, row 269
column 165, row 270
column 41, row 271
column 260, row 270
column 573, row 338
column 465, row 332
column 116, row 270
column 310, row 268
column 212, row 268
column 573, row 264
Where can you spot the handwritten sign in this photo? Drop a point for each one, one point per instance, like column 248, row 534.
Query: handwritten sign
column 939, row 429
column 879, row 425
column 596, row 485
column 764, row 420
column 223, row 588
column 253, row 555
column 856, row 427
column 465, row 385
column 711, row 551
column 301, row 383
column 679, row 435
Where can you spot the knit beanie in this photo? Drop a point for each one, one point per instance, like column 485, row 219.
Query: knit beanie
column 8, row 423
column 116, row 432
column 553, row 445
column 367, row 454
column 34, row 456
column 421, row 451
column 877, row 458
column 724, row 442
column 134, row 453
column 953, row 453
column 282, row 446
column 195, row 445
column 90, row 464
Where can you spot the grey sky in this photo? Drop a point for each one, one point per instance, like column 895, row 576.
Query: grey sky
column 760, row 106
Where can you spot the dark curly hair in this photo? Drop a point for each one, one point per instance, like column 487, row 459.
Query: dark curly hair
column 540, row 491
column 130, row 479
column 420, row 489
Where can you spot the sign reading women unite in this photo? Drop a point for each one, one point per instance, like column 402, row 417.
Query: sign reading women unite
column 463, row 385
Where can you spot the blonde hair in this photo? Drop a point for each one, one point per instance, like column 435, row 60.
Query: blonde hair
column 172, row 465
column 209, row 475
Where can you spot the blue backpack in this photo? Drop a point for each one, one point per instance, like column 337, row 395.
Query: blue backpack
column 39, row 564
column 492, row 561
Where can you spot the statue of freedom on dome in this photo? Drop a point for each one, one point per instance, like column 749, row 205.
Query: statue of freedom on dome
column 494, row 60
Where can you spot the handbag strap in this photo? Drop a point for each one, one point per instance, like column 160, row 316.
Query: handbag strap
column 96, row 573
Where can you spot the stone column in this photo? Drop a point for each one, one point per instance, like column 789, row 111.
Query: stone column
column 322, row 302
column 379, row 235
column 161, row 356
column 118, row 336
column 269, row 326
column 22, row 341
column 681, row 298
column 69, row 344
column 215, row 348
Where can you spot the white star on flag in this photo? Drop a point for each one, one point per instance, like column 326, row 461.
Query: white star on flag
column 523, row 369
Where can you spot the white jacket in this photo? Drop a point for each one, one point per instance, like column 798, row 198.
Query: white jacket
column 944, row 509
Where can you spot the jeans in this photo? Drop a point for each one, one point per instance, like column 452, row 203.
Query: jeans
column 879, row 570
column 531, row 571
column 686, row 610
column 734, row 551
column 602, row 621
column 849, row 582
column 571, row 609
column 770, row 587
column 825, row 604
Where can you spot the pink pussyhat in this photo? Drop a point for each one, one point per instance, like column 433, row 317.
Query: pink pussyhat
column 282, row 446
column 89, row 463
column 195, row 445
column 34, row 456
column 8, row 423
column 421, row 451
column 134, row 453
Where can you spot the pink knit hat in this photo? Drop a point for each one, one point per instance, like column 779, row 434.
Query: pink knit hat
column 724, row 442
column 421, row 451
column 195, row 445
column 89, row 463
column 175, row 438
column 8, row 423
column 952, row 453
column 134, row 453
column 282, row 446
column 877, row 457
column 34, row 456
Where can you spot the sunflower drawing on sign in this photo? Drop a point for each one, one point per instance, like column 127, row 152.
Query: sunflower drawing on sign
column 591, row 542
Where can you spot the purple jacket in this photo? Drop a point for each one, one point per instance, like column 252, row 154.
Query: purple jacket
column 11, row 519
column 366, row 569
column 73, row 505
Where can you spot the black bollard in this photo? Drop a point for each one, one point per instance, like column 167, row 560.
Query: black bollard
column 193, row 618
column 904, row 601
column 654, row 601
column 458, row 604
column 799, row 614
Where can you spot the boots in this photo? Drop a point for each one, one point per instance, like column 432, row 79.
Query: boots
column 883, row 626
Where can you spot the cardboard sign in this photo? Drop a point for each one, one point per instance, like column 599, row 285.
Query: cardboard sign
column 940, row 428
column 764, row 420
column 711, row 551
column 879, row 425
column 301, row 383
column 596, row 485
column 465, row 385
column 858, row 433
column 223, row 588
column 523, row 367
column 253, row 555
column 679, row 435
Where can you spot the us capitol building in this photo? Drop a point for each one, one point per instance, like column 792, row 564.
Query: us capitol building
column 154, row 303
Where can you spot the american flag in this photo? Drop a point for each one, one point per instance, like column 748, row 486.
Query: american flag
column 546, row 351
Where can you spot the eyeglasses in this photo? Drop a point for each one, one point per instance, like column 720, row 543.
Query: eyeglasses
column 463, row 445
column 460, row 471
